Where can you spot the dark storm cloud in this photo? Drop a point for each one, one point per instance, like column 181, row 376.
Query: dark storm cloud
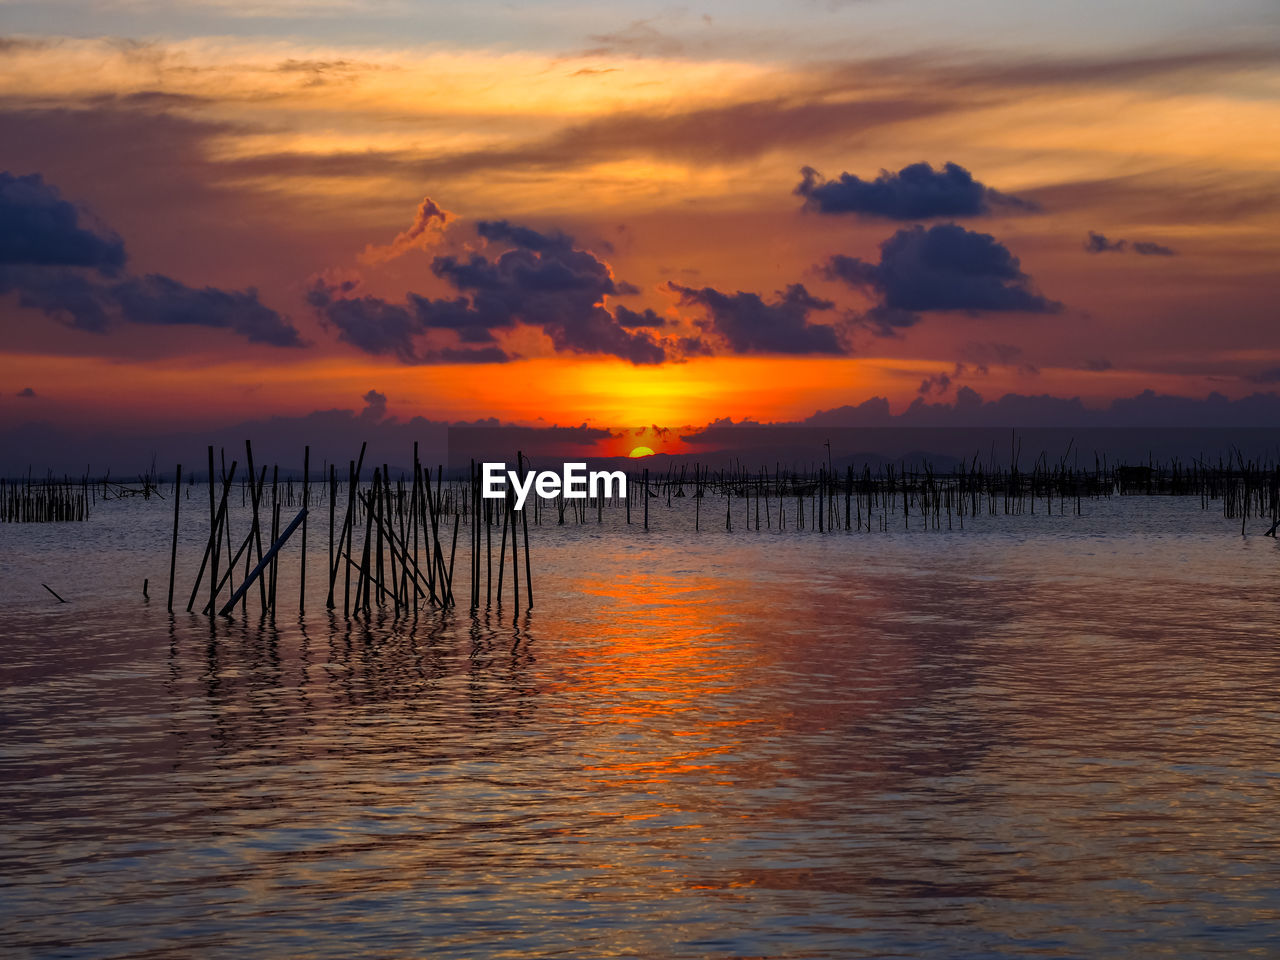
column 1266, row 376
column 375, row 405
column 1146, row 248
column 916, row 192
column 632, row 318
column 72, row 297
column 694, row 347
column 370, row 324
column 1144, row 410
column 886, row 321
column 945, row 267
column 503, row 231
column 1098, row 243
column 750, row 325
column 477, row 355
column 162, row 301
column 39, row 228
column 938, row 383
column 67, row 272
column 84, row 302
column 543, row 281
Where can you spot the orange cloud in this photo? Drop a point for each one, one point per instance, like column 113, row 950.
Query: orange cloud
column 428, row 228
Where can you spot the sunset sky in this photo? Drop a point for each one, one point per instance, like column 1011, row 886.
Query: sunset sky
column 631, row 213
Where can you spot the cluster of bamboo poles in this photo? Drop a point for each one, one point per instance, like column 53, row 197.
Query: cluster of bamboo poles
column 47, row 500
column 53, row 500
column 406, row 557
column 484, row 513
column 824, row 499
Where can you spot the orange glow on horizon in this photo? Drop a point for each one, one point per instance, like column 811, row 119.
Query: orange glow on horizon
column 646, row 406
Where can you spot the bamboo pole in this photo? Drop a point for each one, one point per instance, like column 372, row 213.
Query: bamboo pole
column 524, row 522
column 264, row 562
column 173, row 553
column 215, row 532
column 306, row 502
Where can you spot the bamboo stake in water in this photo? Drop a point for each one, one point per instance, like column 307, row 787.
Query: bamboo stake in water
column 231, row 569
column 502, row 547
column 333, row 496
column 346, row 536
column 255, row 491
column 264, row 562
column 215, row 533
column 524, row 522
column 173, row 554
column 212, row 511
column 306, row 502
column 488, row 557
column 515, row 571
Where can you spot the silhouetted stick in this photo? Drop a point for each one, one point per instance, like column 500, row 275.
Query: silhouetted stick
column 275, row 561
column 515, row 572
column 351, row 563
column 213, row 509
column 524, row 521
column 306, row 502
column 275, row 532
column 262, row 564
column 413, row 519
column 380, row 495
column 333, row 496
column 453, row 552
column 51, row 590
column 398, row 550
column 354, row 467
column 256, row 490
column 231, row 569
column 362, row 587
column 215, row 533
column 433, row 503
column 488, row 557
column 173, row 553
column 502, row 547
column 346, row 535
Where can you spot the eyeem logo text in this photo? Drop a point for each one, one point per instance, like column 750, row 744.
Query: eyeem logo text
column 573, row 483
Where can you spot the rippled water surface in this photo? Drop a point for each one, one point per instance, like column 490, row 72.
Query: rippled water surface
column 1042, row 736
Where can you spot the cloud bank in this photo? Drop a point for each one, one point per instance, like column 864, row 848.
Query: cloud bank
column 942, row 268
column 76, row 275
column 916, row 192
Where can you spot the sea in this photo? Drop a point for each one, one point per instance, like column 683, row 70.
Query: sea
column 1042, row 735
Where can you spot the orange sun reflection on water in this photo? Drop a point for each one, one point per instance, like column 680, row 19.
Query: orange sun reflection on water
column 662, row 647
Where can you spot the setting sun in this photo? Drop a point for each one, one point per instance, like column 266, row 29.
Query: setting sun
column 640, row 452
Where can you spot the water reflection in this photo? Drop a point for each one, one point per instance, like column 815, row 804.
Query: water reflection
column 852, row 747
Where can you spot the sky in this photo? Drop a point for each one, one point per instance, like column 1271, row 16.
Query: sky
column 637, row 214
